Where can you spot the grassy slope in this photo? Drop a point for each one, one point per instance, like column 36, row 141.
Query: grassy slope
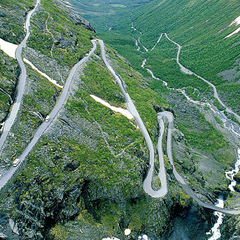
column 195, row 25
column 53, row 29
column 40, row 95
column 12, row 18
column 109, row 177
column 12, row 15
column 105, row 14
column 9, row 72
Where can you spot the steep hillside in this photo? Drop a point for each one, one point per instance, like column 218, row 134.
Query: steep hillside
column 12, row 18
column 200, row 27
column 12, row 15
column 83, row 179
column 90, row 163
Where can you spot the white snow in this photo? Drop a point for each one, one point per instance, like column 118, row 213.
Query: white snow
column 43, row 74
column 8, row 48
column 235, row 22
column 127, row 232
column 236, row 31
column 124, row 112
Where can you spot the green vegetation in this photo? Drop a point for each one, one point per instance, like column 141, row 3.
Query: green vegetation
column 43, row 95
column 56, row 34
column 196, row 26
column 145, row 99
column 89, row 165
column 218, row 120
column 231, row 95
column 20, row 4
column 106, row 14
column 205, row 138
column 107, row 154
column 113, row 162
column 13, row 16
column 118, row 5
column 9, row 73
column 22, row 134
column 193, row 93
column 103, row 85
column 218, row 105
column 39, row 98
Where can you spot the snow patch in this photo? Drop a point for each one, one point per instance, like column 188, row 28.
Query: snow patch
column 8, row 48
column 41, row 73
column 124, row 112
column 236, row 31
column 235, row 22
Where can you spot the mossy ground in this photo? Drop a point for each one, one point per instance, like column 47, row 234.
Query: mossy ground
column 13, row 16
column 55, row 33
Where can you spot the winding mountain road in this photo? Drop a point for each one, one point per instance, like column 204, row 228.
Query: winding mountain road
column 169, row 116
column 21, row 85
column 178, row 177
column 187, row 71
column 61, row 100
column 133, row 110
column 147, row 184
column 162, row 174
